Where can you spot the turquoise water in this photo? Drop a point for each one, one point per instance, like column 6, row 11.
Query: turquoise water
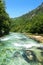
column 17, row 49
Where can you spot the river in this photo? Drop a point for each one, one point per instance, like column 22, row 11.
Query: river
column 18, row 49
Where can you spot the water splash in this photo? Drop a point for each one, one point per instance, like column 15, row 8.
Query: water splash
column 20, row 50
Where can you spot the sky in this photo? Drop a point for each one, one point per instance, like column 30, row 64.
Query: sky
column 16, row 8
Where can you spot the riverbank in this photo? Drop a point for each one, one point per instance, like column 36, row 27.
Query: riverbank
column 38, row 38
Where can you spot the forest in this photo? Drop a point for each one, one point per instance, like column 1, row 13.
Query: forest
column 4, row 19
column 15, row 47
column 31, row 22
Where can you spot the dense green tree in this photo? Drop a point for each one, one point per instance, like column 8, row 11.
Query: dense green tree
column 37, row 24
column 4, row 19
column 31, row 22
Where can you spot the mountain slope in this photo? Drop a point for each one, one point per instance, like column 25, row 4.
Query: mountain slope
column 29, row 22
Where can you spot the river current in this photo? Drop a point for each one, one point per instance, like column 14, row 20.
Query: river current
column 18, row 49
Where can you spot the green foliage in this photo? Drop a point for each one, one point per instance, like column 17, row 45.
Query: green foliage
column 31, row 22
column 4, row 19
column 37, row 24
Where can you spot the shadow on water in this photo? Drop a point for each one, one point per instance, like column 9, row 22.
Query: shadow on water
column 27, row 55
column 31, row 57
column 2, row 44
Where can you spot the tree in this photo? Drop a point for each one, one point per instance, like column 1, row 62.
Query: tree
column 4, row 19
column 37, row 24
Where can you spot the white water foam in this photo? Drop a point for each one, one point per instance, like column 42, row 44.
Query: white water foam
column 26, row 45
column 4, row 39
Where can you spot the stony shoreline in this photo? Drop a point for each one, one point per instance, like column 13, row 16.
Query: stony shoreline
column 39, row 38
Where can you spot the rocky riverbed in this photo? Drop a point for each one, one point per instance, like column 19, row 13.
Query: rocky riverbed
column 38, row 38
